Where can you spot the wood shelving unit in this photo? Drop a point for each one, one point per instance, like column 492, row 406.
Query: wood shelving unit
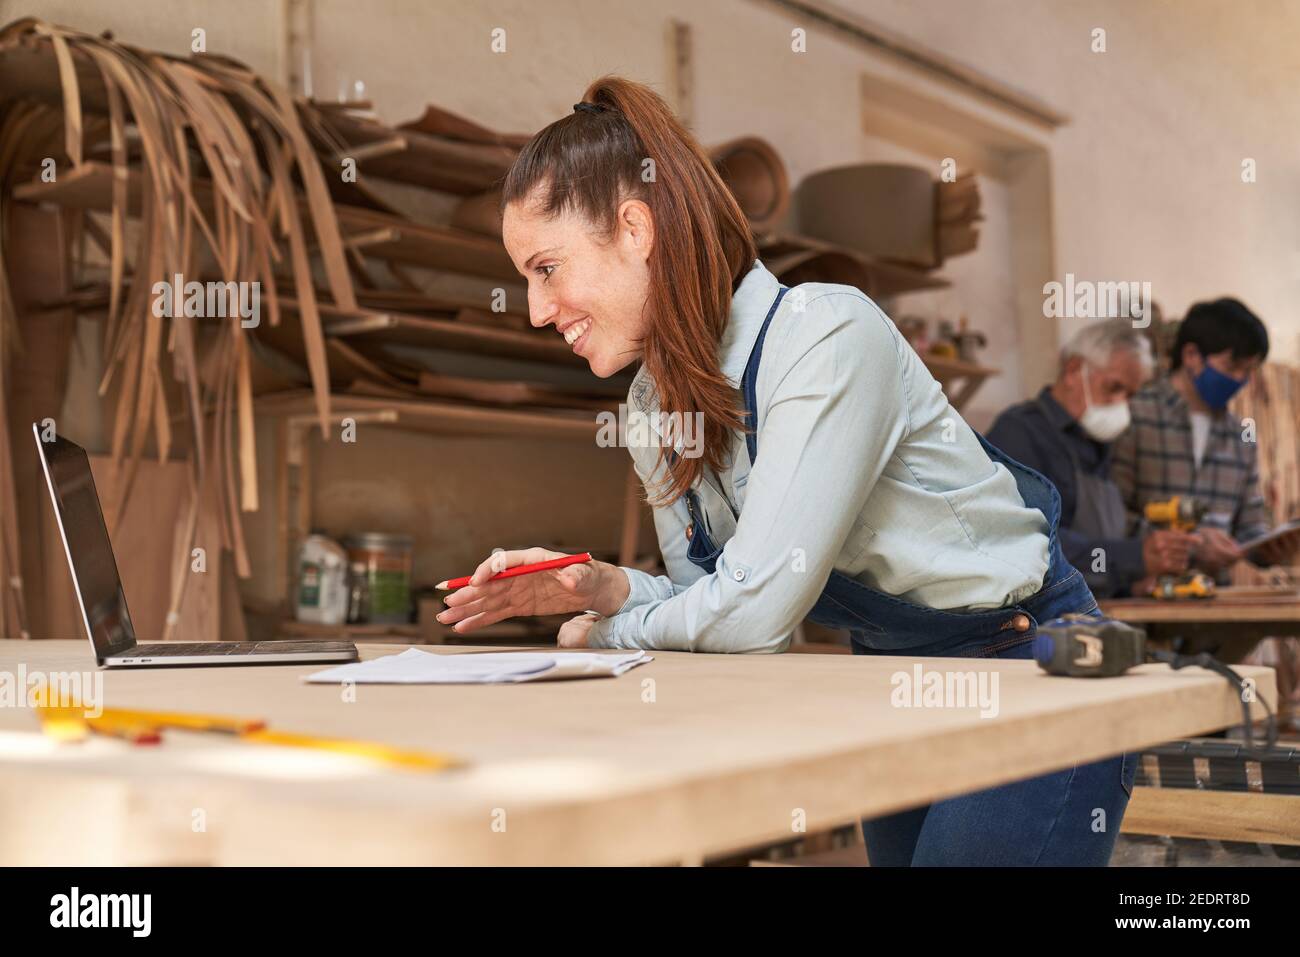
column 375, row 233
column 786, row 254
column 433, row 416
column 960, row 379
column 418, row 159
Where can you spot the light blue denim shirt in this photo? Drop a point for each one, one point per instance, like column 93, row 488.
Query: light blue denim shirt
column 864, row 468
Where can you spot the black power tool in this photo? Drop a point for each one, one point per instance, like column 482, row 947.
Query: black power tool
column 1081, row 646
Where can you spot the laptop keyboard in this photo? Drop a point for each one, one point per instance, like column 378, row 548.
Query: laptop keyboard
column 173, row 649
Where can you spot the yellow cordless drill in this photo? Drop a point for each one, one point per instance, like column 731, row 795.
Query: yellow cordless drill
column 1181, row 514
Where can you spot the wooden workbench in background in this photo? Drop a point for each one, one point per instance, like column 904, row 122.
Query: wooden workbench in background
column 686, row 757
column 1229, row 624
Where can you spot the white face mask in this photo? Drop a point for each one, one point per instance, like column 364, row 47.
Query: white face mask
column 1105, row 423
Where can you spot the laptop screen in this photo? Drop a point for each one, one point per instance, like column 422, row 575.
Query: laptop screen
column 85, row 539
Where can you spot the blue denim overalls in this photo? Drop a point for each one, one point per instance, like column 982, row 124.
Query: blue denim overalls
column 973, row 829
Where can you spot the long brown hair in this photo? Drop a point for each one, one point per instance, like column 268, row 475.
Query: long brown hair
column 591, row 161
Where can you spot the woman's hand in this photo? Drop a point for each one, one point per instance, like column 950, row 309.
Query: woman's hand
column 573, row 633
column 596, row 585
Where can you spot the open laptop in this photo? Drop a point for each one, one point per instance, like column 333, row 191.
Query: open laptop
column 99, row 590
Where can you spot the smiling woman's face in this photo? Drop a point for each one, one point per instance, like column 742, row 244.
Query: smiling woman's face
column 594, row 293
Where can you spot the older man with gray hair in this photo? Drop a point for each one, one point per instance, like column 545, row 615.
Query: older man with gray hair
column 1066, row 433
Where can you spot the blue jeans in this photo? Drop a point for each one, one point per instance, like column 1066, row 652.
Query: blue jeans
column 1068, row 818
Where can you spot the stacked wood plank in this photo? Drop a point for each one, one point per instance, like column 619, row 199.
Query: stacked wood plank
column 892, row 213
column 957, row 210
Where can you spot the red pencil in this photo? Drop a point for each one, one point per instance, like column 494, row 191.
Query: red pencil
column 521, row 570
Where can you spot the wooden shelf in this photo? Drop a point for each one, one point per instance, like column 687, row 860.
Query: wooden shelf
column 434, row 247
column 787, row 253
column 371, row 327
column 960, row 379
column 439, row 417
column 381, row 328
column 439, row 305
column 944, row 369
column 419, row 159
column 374, row 233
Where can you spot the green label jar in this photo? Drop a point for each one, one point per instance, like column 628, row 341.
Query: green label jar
column 386, row 560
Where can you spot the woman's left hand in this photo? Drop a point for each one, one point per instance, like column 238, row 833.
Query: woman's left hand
column 573, row 633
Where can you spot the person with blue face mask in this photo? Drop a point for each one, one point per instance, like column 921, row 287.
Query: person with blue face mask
column 1184, row 441
column 1065, row 432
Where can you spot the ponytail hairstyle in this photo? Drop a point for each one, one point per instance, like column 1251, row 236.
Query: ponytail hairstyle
column 590, row 162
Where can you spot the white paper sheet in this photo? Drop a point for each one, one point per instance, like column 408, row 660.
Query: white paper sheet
column 416, row 667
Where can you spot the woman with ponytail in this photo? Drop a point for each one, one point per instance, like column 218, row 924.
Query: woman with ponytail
column 874, row 508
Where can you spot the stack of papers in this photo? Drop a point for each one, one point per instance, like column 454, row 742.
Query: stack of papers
column 415, row 667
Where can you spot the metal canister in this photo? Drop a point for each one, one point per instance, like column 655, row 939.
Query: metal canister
column 358, row 593
column 386, row 560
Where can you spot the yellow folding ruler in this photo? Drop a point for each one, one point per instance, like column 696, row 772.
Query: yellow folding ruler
column 71, row 723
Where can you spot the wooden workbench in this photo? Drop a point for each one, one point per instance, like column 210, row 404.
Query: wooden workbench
column 686, row 757
column 1229, row 624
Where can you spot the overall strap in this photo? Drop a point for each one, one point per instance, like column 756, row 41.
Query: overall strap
column 749, row 381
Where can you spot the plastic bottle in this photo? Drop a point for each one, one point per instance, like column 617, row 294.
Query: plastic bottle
column 322, row 581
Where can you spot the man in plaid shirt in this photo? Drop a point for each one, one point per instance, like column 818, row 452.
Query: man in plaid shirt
column 1183, row 441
